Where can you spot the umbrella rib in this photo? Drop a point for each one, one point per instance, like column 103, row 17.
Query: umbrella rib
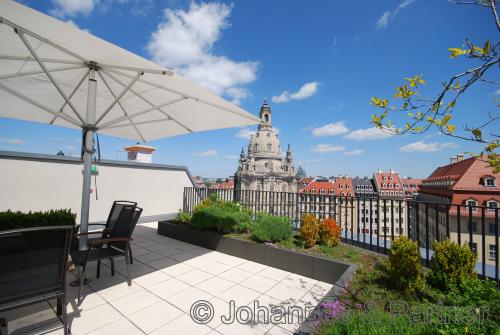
column 152, row 104
column 45, row 60
column 39, row 105
column 29, row 73
column 117, row 98
column 51, row 78
column 127, row 117
column 19, row 29
column 139, row 123
column 136, row 69
column 71, row 95
column 186, row 95
column 120, row 104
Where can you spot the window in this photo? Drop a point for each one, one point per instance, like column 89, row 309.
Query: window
column 391, row 178
column 474, row 246
column 390, row 185
column 268, row 134
column 341, row 185
column 492, row 252
column 473, row 225
column 322, row 191
column 492, row 205
column 492, row 228
column 313, row 191
column 269, row 146
column 489, row 182
column 471, row 204
column 331, row 192
column 384, row 178
column 384, row 185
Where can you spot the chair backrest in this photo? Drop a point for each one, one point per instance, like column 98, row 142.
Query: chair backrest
column 125, row 225
column 116, row 208
column 33, row 262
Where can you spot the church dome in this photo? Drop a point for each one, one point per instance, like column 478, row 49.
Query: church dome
column 265, row 144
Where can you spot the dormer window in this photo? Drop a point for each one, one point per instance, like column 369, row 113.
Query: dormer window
column 322, row 191
column 489, row 182
column 331, row 191
column 384, row 185
column 384, row 178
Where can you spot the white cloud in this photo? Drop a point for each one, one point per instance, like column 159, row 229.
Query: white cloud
column 184, row 41
column 422, row 146
column 13, row 141
column 72, row 23
column 64, row 8
column 237, row 94
column 324, row 148
column 497, row 92
column 367, row 134
column 231, row 157
column 353, row 153
column 245, row 133
column 206, row 153
column 383, row 21
column 307, row 90
column 331, row 129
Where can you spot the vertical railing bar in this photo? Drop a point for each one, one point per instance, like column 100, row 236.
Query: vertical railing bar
column 427, row 234
column 392, row 220
column 459, row 233
column 483, row 242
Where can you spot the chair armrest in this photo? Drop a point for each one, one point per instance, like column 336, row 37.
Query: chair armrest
column 108, row 240
column 90, row 224
column 89, row 233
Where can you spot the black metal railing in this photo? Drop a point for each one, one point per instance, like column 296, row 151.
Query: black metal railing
column 372, row 223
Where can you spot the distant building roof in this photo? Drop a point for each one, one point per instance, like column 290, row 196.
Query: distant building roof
column 225, row 185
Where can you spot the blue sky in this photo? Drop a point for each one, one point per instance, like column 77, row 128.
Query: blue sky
column 317, row 62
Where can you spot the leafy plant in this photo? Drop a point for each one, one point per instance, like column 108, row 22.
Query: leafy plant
column 373, row 321
column 220, row 219
column 420, row 112
column 329, row 233
column 451, row 264
column 15, row 220
column 309, row 229
column 268, row 228
column 403, row 266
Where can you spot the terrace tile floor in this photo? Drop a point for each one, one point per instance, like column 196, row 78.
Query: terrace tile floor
column 168, row 277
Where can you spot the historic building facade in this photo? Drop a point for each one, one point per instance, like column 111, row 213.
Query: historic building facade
column 263, row 168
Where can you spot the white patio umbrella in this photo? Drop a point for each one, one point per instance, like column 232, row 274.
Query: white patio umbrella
column 54, row 73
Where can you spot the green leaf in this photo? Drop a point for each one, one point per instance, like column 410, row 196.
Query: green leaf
column 455, row 52
column 446, row 119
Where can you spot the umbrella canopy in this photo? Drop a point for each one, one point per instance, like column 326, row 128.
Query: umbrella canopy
column 54, row 73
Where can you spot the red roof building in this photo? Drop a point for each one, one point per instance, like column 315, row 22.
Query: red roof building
column 411, row 186
column 225, row 185
column 388, row 184
column 341, row 186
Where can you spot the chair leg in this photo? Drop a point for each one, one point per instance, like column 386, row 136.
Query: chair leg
column 127, row 262
column 82, row 277
column 65, row 315
column 112, row 261
column 98, row 274
column 130, row 253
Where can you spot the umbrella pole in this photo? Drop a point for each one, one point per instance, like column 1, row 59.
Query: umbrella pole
column 88, row 139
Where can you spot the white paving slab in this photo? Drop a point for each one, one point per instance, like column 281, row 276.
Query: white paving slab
column 168, row 277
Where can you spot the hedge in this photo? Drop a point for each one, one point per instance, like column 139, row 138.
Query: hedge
column 15, row 220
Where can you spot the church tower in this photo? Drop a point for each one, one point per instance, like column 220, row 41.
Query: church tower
column 264, row 168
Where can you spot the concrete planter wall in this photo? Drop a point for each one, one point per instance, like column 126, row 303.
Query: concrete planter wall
column 316, row 267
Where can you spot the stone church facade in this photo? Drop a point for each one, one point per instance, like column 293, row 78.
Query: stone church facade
column 263, row 168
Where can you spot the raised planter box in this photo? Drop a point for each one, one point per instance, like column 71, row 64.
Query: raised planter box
column 312, row 266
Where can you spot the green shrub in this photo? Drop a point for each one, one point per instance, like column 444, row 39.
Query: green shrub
column 15, row 220
column 451, row 264
column 220, row 219
column 184, row 217
column 268, row 228
column 403, row 267
column 309, row 229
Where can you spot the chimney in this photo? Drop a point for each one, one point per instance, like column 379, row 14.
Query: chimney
column 391, row 171
column 460, row 157
column 453, row 159
column 379, row 171
column 140, row 153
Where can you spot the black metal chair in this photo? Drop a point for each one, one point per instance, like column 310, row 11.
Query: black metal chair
column 116, row 243
column 33, row 265
column 112, row 217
